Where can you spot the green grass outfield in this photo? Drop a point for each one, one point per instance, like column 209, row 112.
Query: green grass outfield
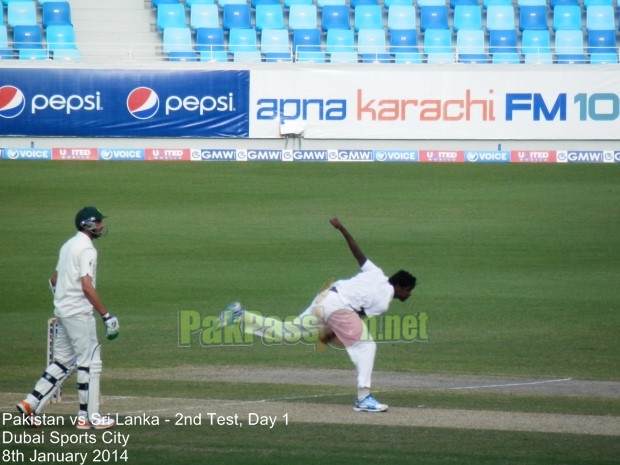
column 518, row 269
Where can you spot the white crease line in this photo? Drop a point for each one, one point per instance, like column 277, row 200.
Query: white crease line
column 316, row 396
column 531, row 383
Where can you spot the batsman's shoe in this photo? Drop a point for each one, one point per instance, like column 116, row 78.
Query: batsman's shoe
column 26, row 410
column 231, row 313
column 369, row 404
column 102, row 423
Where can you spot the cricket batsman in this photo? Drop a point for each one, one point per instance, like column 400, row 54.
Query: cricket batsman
column 76, row 348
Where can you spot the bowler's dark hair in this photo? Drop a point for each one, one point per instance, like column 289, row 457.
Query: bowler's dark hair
column 403, row 278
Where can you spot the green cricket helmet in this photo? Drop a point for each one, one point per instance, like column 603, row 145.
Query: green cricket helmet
column 86, row 219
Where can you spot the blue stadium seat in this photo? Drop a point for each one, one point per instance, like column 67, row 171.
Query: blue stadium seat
column 343, row 57
column 540, row 58
column 368, row 17
column 505, row 58
column 202, row 15
column 455, row 3
column 371, row 42
column 554, row 3
column 242, row 40
column 32, row 54
column 269, row 17
column 290, row 3
column 335, row 17
column 236, row 16
column 440, row 58
column 156, row 3
column 177, row 39
column 6, row 53
column 27, row 37
column 210, row 39
column 535, row 41
column 340, row 40
column 255, row 3
column 21, row 14
column 567, row 17
column 60, row 37
column 247, row 56
column 437, row 41
column 324, row 3
column 390, row 3
column 487, row 3
column 223, row 3
column 275, row 46
column 66, row 55
column 401, row 17
column 500, row 17
column 306, row 40
column 588, row 3
column 376, row 58
column 304, row 56
column 422, row 3
column 522, row 3
column 467, row 17
column 414, row 58
column 433, row 17
column 604, row 59
column 213, row 56
column 355, row 3
column 569, row 46
column 533, row 17
column 302, row 17
column 504, row 41
column 170, row 15
column 602, row 41
column 470, row 46
column 600, row 18
column 404, row 41
column 56, row 13
column 190, row 3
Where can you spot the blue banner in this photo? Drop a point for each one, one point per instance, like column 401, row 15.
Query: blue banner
column 124, row 103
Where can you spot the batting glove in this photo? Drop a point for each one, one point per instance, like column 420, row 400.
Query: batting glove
column 112, row 326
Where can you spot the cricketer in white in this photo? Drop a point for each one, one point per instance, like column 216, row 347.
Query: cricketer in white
column 340, row 306
column 76, row 348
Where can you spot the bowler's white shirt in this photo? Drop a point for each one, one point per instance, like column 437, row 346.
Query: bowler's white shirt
column 368, row 290
column 77, row 258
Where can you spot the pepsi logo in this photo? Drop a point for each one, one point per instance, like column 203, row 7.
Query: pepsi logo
column 12, row 102
column 142, row 103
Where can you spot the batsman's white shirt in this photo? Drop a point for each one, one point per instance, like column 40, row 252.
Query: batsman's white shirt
column 77, row 258
column 368, row 291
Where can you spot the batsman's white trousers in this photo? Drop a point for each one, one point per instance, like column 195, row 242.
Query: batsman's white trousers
column 77, row 336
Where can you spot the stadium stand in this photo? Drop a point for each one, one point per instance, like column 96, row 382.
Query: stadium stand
column 479, row 31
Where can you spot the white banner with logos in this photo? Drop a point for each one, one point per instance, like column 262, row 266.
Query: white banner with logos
column 486, row 102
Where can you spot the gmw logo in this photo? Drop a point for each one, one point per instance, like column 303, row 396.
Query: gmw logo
column 143, row 103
